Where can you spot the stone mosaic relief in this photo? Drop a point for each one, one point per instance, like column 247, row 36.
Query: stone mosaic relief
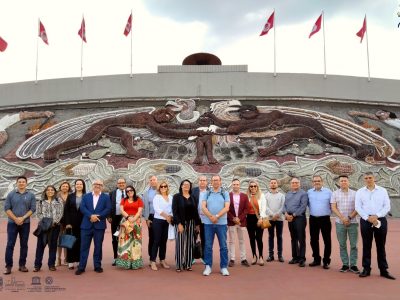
column 227, row 137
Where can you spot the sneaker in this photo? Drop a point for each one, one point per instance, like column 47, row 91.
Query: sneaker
column 207, row 271
column 280, row 258
column 344, row 269
column 224, row 272
column 114, row 262
column 270, row 258
column 231, row 263
column 354, row 269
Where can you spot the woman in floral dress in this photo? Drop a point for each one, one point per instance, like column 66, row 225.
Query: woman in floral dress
column 130, row 236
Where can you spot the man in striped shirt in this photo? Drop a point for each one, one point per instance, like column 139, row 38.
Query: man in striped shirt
column 343, row 206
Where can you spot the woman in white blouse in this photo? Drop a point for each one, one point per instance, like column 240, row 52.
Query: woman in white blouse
column 162, row 204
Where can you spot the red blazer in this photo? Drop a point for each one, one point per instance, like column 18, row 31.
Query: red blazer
column 243, row 204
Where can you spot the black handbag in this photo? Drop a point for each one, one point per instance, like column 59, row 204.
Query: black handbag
column 66, row 240
column 197, row 249
column 43, row 226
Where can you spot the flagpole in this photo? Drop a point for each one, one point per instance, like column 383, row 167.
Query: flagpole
column 131, row 45
column 366, row 32
column 82, row 48
column 274, row 44
column 323, row 30
column 37, row 52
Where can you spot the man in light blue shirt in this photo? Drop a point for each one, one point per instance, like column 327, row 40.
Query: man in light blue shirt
column 372, row 204
column 148, row 210
column 319, row 199
column 215, row 206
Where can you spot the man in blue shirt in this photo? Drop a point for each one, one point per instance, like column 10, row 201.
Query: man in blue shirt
column 215, row 206
column 148, row 210
column 319, row 199
column 19, row 206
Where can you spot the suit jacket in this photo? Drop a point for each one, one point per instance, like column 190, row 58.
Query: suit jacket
column 72, row 215
column 242, row 212
column 103, row 209
column 178, row 209
column 113, row 197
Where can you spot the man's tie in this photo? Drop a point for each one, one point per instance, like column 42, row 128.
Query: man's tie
column 122, row 194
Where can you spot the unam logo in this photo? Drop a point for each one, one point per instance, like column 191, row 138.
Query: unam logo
column 49, row 280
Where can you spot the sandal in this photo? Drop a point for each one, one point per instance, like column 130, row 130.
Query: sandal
column 189, row 269
column 36, row 269
column 153, row 266
column 178, row 270
column 164, row 264
column 52, row 268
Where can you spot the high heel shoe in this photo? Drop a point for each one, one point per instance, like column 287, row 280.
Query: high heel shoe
column 254, row 261
column 153, row 266
column 164, row 264
column 261, row 261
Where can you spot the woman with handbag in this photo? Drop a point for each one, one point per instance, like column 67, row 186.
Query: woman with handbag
column 130, row 232
column 51, row 208
column 187, row 221
column 62, row 195
column 255, row 216
column 73, row 219
column 162, row 204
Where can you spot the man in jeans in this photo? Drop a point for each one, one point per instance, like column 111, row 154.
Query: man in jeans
column 343, row 206
column 19, row 206
column 215, row 206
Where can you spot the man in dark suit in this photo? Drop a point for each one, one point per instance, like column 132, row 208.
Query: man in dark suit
column 196, row 192
column 95, row 207
column 115, row 216
column 237, row 222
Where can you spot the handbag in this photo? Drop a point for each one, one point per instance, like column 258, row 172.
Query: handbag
column 66, row 240
column 197, row 249
column 264, row 221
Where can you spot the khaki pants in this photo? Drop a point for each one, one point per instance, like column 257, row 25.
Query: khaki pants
column 231, row 234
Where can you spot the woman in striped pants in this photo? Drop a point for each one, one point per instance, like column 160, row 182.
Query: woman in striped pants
column 186, row 220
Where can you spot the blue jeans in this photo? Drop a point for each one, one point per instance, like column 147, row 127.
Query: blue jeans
column 12, row 232
column 210, row 230
column 49, row 238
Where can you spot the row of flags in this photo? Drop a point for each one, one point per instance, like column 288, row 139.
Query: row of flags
column 82, row 33
column 317, row 26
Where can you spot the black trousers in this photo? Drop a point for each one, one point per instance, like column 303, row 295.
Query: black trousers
column 297, row 229
column 151, row 235
column 202, row 239
column 368, row 233
column 255, row 235
column 160, row 234
column 115, row 221
column 321, row 224
column 278, row 227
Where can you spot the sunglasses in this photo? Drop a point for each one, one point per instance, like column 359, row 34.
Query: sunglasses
column 129, row 191
column 163, row 186
column 253, row 186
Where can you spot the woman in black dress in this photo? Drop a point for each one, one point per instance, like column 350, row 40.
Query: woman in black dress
column 73, row 220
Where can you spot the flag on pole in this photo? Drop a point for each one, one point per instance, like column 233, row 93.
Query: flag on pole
column 316, row 27
column 3, row 45
column 82, row 30
column 42, row 33
column 128, row 25
column 268, row 25
column 363, row 29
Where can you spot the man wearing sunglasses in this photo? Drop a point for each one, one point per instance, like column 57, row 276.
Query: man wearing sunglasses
column 373, row 204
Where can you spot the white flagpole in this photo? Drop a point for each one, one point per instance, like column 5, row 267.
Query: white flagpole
column 366, row 36
column 274, row 44
column 323, row 30
column 131, row 42
column 37, row 52
column 83, row 32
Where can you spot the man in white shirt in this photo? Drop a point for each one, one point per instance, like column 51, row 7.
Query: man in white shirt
column 275, row 201
column 372, row 204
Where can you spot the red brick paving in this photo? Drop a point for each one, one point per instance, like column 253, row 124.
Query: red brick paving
column 273, row 281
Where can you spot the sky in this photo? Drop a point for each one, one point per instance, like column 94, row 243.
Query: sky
column 166, row 31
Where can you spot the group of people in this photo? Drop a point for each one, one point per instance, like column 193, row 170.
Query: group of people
column 205, row 211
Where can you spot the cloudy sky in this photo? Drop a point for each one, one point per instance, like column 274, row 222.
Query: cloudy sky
column 166, row 31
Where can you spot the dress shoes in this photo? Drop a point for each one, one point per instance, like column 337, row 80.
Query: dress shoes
column 314, row 264
column 270, row 258
column 388, row 276
column 231, row 263
column 245, row 263
column 293, row 261
column 325, row 266
column 79, row 272
column 302, row 264
column 7, row 271
column 280, row 258
column 365, row 273
column 98, row 270
column 23, row 269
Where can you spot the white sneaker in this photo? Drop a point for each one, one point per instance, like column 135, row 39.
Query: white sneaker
column 224, row 272
column 207, row 271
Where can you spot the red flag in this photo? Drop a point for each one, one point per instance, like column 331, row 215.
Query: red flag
column 316, row 27
column 3, row 45
column 363, row 29
column 128, row 25
column 42, row 33
column 82, row 30
column 268, row 25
